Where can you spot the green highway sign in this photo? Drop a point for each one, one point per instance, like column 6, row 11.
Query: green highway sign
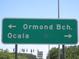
column 39, row 31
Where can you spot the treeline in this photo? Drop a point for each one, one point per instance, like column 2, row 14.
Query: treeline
column 4, row 54
column 71, row 52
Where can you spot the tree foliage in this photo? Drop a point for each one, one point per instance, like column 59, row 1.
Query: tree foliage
column 5, row 54
column 71, row 52
column 53, row 54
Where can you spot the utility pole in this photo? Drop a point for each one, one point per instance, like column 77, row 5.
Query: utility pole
column 58, row 18
column 63, row 50
column 16, row 54
column 58, row 9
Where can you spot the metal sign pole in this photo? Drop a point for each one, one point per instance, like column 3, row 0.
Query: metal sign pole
column 63, row 52
column 16, row 56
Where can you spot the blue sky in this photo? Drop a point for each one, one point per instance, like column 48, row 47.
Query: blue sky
column 29, row 8
column 36, row 9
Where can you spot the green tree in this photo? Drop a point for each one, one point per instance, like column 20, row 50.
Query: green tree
column 4, row 55
column 71, row 52
column 53, row 53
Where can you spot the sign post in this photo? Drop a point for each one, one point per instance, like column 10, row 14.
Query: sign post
column 16, row 54
column 39, row 31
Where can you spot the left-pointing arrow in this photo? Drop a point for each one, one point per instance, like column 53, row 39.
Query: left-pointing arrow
column 11, row 26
